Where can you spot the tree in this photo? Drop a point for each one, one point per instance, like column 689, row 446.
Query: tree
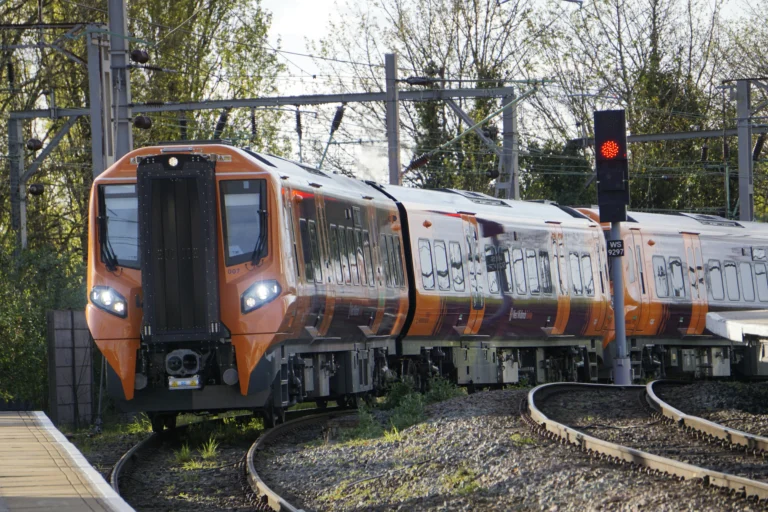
column 557, row 173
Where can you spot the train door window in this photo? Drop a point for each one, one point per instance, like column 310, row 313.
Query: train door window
column 506, row 275
column 491, row 268
column 640, row 269
column 533, row 271
column 368, row 258
column 600, row 268
column 343, row 255
column 631, row 261
column 731, row 280
column 545, row 272
column 576, row 284
column 716, row 280
column 335, row 255
column 399, row 260
column 660, row 276
column 762, row 281
column 676, row 273
column 457, row 266
column 692, row 275
column 586, row 273
column 353, row 270
column 318, row 271
column 519, row 266
column 360, row 256
column 385, row 260
column 441, row 266
column 392, row 262
column 747, row 285
column 306, row 248
column 425, row 259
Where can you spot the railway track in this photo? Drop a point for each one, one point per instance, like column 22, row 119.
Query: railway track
column 638, row 433
column 268, row 498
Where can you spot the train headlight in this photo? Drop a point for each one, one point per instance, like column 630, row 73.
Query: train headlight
column 258, row 294
column 106, row 298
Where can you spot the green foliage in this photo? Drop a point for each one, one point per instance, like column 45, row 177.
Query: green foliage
column 397, row 391
column 409, row 412
column 183, row 454
column 209, row 449
column 442, row 389
column 367, row 427
column 462, row 481
column 139, row 425
column 557, row 173
column 40, row 280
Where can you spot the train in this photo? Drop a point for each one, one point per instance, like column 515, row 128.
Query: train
column 222, row 278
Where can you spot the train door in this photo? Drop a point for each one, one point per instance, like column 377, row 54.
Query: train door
column 642, row 286
column 695, row 266
column 562, row 291
column 328, row 287
column 474, row 268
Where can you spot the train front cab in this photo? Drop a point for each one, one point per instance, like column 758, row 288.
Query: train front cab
column 186, row 285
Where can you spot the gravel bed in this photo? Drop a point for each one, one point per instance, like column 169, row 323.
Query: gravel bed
column 619, row 416
column 472, row 453
column 103, row 451
column 738, row 405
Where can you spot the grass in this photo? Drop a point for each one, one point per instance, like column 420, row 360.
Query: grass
column 462, row 481
column 183, row 454
column 209, row 449
column 521, row 440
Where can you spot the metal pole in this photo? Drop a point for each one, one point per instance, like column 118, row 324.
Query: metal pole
column 622, row 370
column 393, row 118
column 16, row 156
column 511, row 151
column 98, row 162
column 743, row 113
column 121, row 81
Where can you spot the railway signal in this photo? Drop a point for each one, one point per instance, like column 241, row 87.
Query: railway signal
column 612, row 169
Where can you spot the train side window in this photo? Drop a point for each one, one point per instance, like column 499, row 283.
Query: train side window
column 306, row 248
column 731, row 280
column 393, row 262
column 506, row 276
column 576, row 284
column 353, row 270
column 343, row 255
column 457, row 266
column 587, row 275
column 335, row 254
column 676, row 273
column 660, row 276
column 762, row 281
column 360, row 257
column 318, row 270
column 491, row 268
column 716, row 280
column 441, row 266
column 425, row 258
column 545, row 272
column 747, row 285
column 368, row 257
column 385, row 260
column 519, row 265
column 399, row 256
column 533, row 271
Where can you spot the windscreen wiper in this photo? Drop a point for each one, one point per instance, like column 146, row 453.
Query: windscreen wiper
column 256, row 255
column 107, row 253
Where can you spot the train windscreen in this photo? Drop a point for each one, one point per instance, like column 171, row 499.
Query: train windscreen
column 119, row 216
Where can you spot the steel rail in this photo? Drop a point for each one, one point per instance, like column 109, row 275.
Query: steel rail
column 736, row 438
column 624, row 454
column 260, row 488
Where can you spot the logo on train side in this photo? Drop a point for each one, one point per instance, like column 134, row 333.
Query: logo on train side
column 520, row 314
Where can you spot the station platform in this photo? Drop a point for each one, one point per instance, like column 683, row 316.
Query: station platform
column 738, row 325
column 41, row 470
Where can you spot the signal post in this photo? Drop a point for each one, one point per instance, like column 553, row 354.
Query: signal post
column 612, row 169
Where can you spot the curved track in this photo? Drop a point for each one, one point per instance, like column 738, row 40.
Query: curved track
column 624, row 454
column 267, row 496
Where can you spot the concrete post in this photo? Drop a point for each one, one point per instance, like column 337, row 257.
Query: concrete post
column 746, row 188
column 393, row 118
column 121, row 78
column 622, row 369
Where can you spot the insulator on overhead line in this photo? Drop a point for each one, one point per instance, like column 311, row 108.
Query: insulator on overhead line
column 142, row 122
column 34, row 144
column 337, row 118
column 11, row 75
column 221, row 124
column 726, row 150
column 298, row 122
column 36, row 189
column 704, row 152
column 253, row 123
column 492, row 174
column 418, row 162
column 758, row 147
column 140, row 56
column 419, row 80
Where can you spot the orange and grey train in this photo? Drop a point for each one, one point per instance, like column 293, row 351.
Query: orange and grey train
column 220, row 278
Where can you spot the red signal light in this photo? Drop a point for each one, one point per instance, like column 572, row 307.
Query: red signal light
column 609, row 149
